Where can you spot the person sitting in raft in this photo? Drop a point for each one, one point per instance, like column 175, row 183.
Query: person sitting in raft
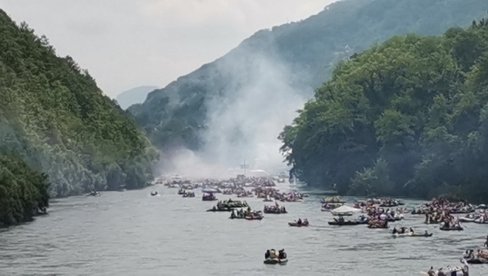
column 411, row 230
column 267, row 254
column 431, row 271
column 282, row 254
column 394, row 230
column 272, row 254
column 305, row 221
column 299, row 222
column 341, row 219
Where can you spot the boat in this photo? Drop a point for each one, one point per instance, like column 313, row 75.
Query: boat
column 410, row 234
column 296, row 224
column 254, row 216
column 452, row 228
column 94, row 193
column 343, row 223
column 154, row 193
column 275, row 261
column 273, row 257
column 208, row 197
column 479, row 256
column 481, row 220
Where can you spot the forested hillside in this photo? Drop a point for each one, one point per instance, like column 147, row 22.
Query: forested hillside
column 407, row 117
column 289, row 60
column 55, row 118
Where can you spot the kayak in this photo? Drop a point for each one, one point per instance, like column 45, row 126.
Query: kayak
column 275, row 261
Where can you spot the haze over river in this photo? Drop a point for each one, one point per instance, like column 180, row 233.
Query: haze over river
column 133, row 233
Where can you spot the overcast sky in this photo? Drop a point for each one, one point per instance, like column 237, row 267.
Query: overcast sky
column 129, row 43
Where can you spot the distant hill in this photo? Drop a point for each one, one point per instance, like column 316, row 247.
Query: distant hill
column 234, row 108
column 135, row 95
column 55, row 119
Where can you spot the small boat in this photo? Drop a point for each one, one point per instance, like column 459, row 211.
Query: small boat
column 481, row 220
column 477, row 261
column 154, row 193
column 256, row 215
column 208, row 197
column 410, row 234
column 480, row 257
column 94, row 193
column 189, row 194
column 453, row 228
column 275, row 261
column 422, row 235
column 296, row 224
column 343, row 223
column 273, row 257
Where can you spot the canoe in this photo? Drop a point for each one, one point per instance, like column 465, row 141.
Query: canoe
column 275, row 261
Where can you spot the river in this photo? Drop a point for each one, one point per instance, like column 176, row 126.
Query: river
column 132, row 233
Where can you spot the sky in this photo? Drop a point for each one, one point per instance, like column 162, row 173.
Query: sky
column 129, row 43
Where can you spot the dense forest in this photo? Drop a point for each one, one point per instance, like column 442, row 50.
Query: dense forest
column 55, row 120
column 407, row 117
column 308, row 50
column 23, row 192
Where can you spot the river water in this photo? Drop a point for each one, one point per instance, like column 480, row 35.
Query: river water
column 132, row 233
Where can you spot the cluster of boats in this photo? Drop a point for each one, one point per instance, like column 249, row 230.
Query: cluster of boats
column 375, row 213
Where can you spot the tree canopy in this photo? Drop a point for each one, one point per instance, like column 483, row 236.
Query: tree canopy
column 406, row 117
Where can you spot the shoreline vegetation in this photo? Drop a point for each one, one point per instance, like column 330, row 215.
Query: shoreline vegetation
column 23, row 192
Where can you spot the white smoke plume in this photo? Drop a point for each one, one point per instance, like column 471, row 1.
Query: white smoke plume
column 244, row 123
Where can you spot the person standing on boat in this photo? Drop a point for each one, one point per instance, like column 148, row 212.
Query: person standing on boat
column 486, row 242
